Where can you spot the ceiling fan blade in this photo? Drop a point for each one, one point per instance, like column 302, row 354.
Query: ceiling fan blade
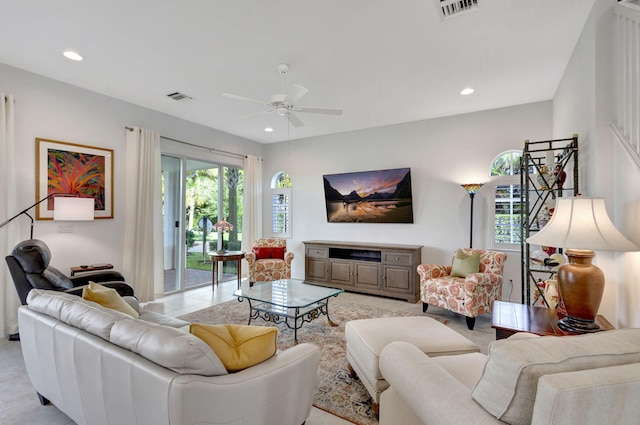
column 329, row 111
column 295, row 93
column 294, row 120
column 246, row 99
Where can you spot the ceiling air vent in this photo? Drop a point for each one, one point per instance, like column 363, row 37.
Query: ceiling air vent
column 451, row 8
column 179, row 96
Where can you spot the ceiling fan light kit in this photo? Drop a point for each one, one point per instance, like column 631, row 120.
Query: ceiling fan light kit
column 283, row 68
column 284, row 104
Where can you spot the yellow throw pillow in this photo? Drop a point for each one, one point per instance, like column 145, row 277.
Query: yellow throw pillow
column 238, row 346
column 465, row 264
column 108, row 298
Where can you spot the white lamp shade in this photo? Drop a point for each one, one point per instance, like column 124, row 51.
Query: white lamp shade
column 73, row 208
column 582, row 223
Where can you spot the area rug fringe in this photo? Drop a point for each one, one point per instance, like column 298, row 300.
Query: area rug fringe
column 332, row 413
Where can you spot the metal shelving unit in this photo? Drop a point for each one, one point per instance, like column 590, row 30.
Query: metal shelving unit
column 548, row 169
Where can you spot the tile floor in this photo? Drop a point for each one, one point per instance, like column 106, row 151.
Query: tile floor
column 20, row 404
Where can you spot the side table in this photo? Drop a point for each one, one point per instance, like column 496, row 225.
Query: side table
column 510, row 318
column 92, row 268
column 216, row 257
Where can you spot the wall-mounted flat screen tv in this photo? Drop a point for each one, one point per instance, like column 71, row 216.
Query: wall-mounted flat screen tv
column 382, row 196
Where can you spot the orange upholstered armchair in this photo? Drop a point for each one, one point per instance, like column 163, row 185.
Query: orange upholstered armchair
column 468, row 287
column 269, row 260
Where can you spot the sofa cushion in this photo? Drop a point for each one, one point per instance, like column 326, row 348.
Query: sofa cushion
column 75, row 311
column 54, row 277
column 169, row 347
column 464, row 264
column 108, row 298
column 163, row 319
column 607, row 395
column 507, row 388
column 238, row 346
column 465, row 368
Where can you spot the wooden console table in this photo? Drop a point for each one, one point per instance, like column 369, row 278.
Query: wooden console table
column 368, row 268
column 510, row 318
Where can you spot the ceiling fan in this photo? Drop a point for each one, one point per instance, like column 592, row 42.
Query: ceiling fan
column 285, row 104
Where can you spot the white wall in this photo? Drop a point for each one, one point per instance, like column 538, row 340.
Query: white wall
column 585, row 104
column 442, row 154
column 49, row 109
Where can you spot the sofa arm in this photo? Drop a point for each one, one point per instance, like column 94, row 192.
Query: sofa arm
column 124, row 289
column 607, row 395
column 99, row 276
column 434, row 396
column 432, row 271
column 288, row 258
column 278, row 390
column 250, row 257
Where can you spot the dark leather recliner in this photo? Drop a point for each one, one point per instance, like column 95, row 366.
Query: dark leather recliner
column 29, row 267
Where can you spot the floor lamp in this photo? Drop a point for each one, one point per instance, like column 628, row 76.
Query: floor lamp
column 66, row 207
column 471, row 189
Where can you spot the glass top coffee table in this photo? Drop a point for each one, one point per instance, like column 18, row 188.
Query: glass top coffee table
column 289, row 301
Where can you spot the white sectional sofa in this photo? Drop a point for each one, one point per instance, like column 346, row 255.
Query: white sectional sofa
column 100, row 366
column 573, row 380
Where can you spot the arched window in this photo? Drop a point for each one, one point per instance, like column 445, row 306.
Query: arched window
column 506, row 164
column 281, row 205
column 505, row 177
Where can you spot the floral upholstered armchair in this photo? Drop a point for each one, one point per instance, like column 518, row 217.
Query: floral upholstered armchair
column 269, row 260
column 464, row 287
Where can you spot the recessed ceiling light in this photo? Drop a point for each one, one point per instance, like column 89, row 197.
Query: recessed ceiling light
column 268, row 129
column 69, row 54
column 467, row 91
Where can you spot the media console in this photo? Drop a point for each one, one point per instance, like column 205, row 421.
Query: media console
column 368, row 268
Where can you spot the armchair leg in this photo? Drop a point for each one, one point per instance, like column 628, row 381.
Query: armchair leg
column 352, row 373
column 471, row 321
column 43, row 400
column 425, row 306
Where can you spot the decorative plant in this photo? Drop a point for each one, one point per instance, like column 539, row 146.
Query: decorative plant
column 76, row 173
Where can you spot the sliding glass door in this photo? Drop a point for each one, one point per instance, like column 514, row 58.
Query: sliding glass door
column 196, row 195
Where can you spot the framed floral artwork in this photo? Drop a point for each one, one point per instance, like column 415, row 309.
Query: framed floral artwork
column 69, row 168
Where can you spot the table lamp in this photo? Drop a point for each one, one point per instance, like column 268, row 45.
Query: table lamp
column 222, row 226
column 581, row 225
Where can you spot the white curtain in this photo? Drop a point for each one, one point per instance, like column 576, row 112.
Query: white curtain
column 9, row 301
column 142, row 262
column 252, row 202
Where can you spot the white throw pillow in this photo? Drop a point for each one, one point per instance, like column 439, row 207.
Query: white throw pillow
column 507, row 388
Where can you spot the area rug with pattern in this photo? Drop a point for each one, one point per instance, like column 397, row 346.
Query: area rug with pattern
column 337, row 393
